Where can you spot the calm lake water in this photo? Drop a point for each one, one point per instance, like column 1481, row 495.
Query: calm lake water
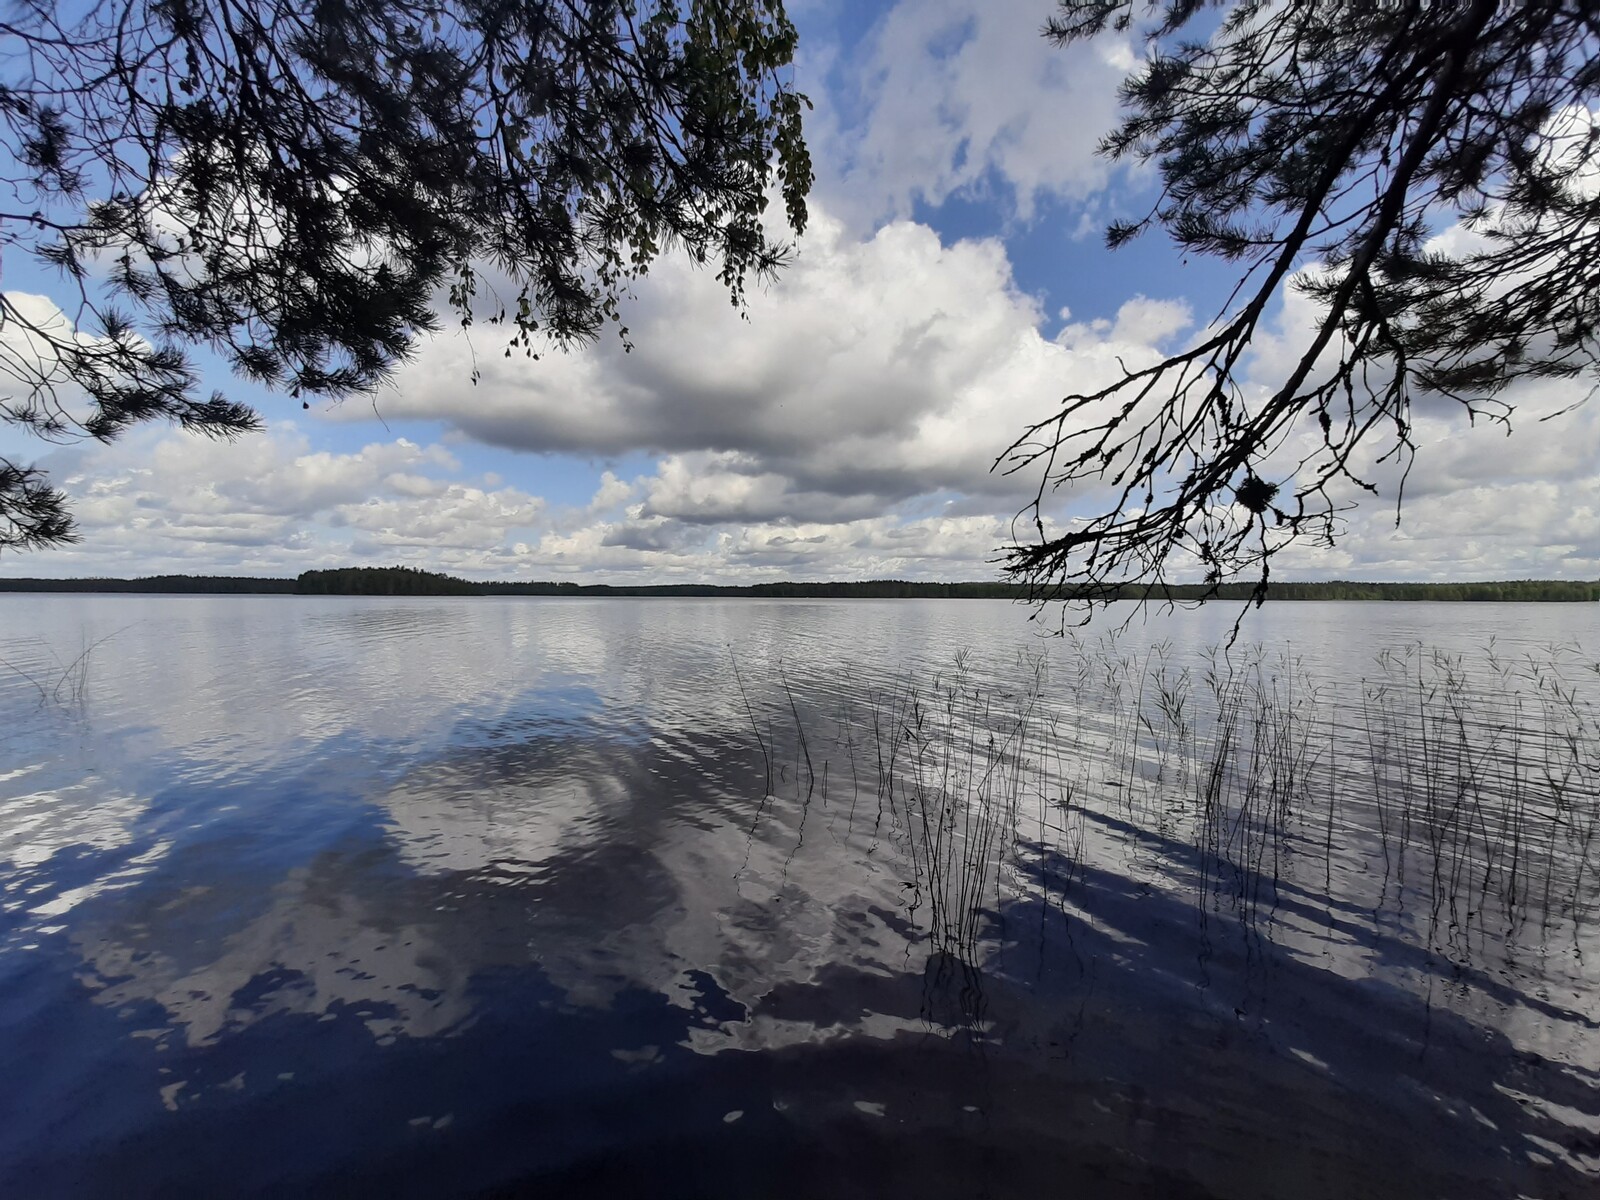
column 725, row 898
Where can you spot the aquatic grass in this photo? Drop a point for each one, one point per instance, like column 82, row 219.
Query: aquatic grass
column 1490, row 783
column 65, row 685
column 1460, row 793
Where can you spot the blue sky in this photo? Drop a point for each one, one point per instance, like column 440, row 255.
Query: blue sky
column 953, row 284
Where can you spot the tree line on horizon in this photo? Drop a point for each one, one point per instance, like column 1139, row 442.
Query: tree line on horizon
column 411, row 581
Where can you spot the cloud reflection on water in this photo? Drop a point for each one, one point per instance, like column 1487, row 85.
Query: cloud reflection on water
column 569, row 889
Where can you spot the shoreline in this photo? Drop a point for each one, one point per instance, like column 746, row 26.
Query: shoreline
column 405, row 581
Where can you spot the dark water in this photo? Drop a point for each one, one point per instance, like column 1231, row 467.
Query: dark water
column 324, row 897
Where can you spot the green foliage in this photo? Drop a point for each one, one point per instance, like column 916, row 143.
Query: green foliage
column 299, row 184
column 1342, row 135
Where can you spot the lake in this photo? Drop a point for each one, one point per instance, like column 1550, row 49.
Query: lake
column 739, row 898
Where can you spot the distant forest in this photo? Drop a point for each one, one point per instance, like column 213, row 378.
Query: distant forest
column 407, row 581
column 209, row 585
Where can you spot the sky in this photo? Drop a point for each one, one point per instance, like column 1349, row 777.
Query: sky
column 952, row 285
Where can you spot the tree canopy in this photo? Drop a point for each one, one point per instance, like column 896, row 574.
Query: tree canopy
column 306, row 186
column 1324, row 147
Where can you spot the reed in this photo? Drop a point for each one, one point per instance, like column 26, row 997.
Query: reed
column 63, row 682
column 1460, row 793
